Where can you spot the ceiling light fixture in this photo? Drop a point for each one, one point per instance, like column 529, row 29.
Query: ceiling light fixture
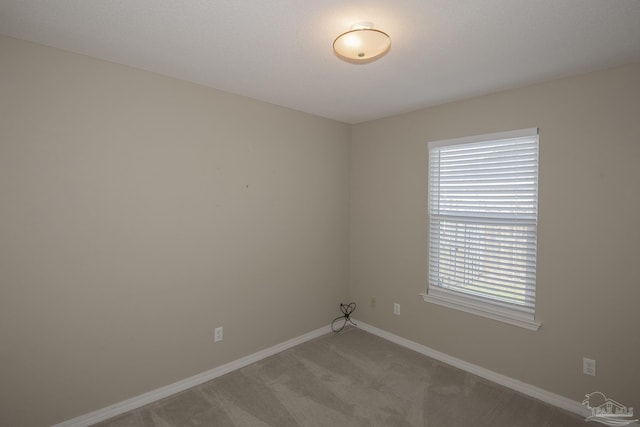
column 362, row 43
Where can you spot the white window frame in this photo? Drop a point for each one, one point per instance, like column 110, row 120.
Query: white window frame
column 467, row 302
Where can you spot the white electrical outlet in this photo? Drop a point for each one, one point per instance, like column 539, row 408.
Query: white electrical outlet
column 218, row 334
column 589, row 366
column 396, row 309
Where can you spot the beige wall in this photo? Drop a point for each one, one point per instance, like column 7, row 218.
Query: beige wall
column 137, row 213
column 588, row 287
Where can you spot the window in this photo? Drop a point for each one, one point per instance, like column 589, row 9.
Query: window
column 483, row 209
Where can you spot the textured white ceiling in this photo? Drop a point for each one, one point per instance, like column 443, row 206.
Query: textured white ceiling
column 279, row 51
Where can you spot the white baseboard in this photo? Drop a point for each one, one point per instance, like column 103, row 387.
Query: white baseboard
column 519, row 386
column 160, row 393
column 166, row 391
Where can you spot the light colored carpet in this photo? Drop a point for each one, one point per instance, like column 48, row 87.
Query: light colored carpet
column 348, row 379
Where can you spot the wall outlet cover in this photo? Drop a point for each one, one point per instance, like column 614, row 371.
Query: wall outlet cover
column 589, row 366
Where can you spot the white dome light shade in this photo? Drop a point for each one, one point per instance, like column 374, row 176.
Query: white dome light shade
column 362, row 44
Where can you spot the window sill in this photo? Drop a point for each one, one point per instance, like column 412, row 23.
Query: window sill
column 480, row 308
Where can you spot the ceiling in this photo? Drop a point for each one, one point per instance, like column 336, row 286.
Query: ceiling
column 280, row 51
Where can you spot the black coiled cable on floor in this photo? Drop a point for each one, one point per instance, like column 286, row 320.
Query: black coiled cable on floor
column 346, row 309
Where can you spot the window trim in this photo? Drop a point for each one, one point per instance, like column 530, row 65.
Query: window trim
column 466, row 302
column 469, row 304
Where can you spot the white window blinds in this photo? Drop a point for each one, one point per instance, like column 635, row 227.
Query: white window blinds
column 483, row 204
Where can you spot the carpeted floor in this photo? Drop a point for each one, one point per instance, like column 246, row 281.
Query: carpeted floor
column 348, row 379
